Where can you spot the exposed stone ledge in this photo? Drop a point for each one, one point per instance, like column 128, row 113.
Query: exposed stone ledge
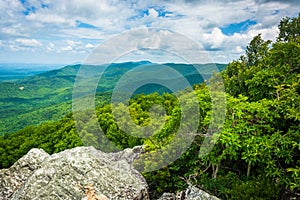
column 79, row 173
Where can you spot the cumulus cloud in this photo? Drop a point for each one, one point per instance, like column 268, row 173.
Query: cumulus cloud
column 215, row 39
column 152, row 13
column 77, row 46
column 28, row 42
column 75, row 26
column 50, row 46
column 89, row 46
column 21, row 44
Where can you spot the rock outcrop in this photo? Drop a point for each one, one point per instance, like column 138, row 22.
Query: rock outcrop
column 82, row 173
column 191, row 193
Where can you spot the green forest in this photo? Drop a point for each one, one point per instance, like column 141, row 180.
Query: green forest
column 48, row 96
column 257, row 153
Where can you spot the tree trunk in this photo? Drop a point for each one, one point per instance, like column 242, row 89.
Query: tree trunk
column 215, row 170
column 248, row 169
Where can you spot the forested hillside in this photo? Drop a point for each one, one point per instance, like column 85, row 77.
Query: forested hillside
column 257, row 154
column 47, row 96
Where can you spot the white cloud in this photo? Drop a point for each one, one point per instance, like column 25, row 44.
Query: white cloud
column 154, row 45
column 239, row 50
column 10, row 31
column 28, row 42
column 21, row 44
column 49, row 18
column 56, row 22
column 89, row 46
column 216, row 38
column 269, row 33
column 50, row 46
column 77, row 47
column 152, row 13
column 68, row 48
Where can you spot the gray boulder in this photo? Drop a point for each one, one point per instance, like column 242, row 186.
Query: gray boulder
column 13, row 178
column 82, row 173
column 168, row 196
column 191, row 193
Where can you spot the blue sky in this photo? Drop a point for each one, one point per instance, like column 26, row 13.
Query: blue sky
column 67, row 31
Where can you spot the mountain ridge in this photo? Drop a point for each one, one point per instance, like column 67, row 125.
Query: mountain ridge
column 26, row 101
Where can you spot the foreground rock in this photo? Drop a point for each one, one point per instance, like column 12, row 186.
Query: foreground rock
column 80, row 173
column 191, row 193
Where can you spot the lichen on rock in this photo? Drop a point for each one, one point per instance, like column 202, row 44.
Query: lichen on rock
column 79, row 173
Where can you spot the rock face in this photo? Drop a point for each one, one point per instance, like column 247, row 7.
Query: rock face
column 82, row 173
column 191, row 193
column 13, row 178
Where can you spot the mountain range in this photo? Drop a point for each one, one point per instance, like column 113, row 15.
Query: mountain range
column 46, row 96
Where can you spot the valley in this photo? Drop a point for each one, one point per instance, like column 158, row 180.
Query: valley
column 48, row 96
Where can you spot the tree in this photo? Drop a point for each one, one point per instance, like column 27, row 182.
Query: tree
column 289, row 29
column 256, row 50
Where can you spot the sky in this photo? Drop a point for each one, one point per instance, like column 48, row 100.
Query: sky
column 69, row 31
